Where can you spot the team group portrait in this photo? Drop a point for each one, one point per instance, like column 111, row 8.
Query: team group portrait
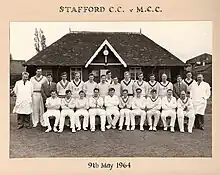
column 94, row 90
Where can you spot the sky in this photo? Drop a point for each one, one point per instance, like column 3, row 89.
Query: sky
column 184, row 39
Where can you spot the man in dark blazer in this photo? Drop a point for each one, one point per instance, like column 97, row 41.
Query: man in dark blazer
column 47, row 87
column 178, row 87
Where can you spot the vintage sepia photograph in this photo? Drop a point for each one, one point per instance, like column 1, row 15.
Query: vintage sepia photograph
column 110, row 89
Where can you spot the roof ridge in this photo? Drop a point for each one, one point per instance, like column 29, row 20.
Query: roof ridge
column 86, row 31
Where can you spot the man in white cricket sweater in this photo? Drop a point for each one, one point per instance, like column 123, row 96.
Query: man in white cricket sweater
column 53, row 105
column 153, row 104
column 164, row 85
column 185, row 108
column 63, row 85
column 140, row 83
column 152, row 84
column 89, row 86
column 81, row 110
column 111, row 104
column 125, row 110
column 117, row 86
column 127, row 83
column 77, row 85
column 67, row 105
column 103, row 87
column 169, row 109
column 189, row 82
column 96, row 108
column 37, row 99
column 138, row 109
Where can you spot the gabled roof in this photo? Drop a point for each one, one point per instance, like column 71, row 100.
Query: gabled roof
column 77, row 48
column 200, row 58
column 111, row 48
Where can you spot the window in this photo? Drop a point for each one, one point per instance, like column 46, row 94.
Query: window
column 45, row 72
column 73, row 70
column 134, row 71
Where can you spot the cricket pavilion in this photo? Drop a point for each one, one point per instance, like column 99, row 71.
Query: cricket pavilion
column 97, row 52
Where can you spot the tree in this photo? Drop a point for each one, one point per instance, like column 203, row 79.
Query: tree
column 39, row 40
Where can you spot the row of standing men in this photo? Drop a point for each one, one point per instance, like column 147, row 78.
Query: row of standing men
column 41, row 87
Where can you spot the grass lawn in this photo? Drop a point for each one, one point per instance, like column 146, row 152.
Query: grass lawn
column 112, row 143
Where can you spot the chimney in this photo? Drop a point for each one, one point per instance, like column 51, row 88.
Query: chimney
column 70, row 30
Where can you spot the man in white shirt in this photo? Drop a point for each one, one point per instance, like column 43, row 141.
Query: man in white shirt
column 67, row 105
column 103, row 87
column 23, row 106
column 111, row 104
column 169, row 109
column 81, row 110
column 153, row 104
column 152, row 84
column 109, row 77
column 37, row 99
column 185, row 108
column 140, row 83
column 200, row 95
column 127, row 83
column 89, row 86
column 164, row 86
column 53, row 105
column 96, row 108
column 125, row 110
column 138, row 109
column 116, row 86
column 63, row 85
column 77, row 85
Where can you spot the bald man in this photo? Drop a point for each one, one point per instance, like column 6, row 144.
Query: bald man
column 164, row 86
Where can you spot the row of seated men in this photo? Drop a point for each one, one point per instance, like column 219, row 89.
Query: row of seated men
column 113, row 109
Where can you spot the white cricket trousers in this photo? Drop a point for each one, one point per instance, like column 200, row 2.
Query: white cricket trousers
column 49, row 113
column 138, row 112
column 150, row 114
column 64, row 114
column 167, row 113
column 125, row 114
column 38, row 109
column 109, row 112
column 85, row 114
column 180, row 117
column 99, row 112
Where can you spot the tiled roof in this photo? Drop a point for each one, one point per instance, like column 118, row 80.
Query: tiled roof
column 200, row 58
column 76, row 48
